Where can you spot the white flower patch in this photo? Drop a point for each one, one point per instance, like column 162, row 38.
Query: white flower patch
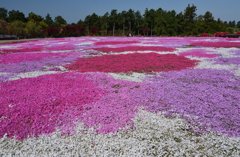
column 226, row 52
column 211, row 40
column 3, row 73
column 60, row 68
column 8, row 47
column 208, row 64
column 147, row 51
column 237, row 72
column 60, row 43
column 84, row 43
column 153, row 135
column 136, row 77
column 201, row 59
column 32, row 74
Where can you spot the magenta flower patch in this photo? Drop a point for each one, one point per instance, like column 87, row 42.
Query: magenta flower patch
column 30, row 107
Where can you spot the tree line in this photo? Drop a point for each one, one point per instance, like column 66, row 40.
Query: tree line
column 153, row 22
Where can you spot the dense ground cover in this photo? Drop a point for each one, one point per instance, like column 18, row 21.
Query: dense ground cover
column 135, row 62
column 109, row 87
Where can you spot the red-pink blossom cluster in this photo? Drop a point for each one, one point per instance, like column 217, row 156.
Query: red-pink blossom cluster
column 135, row 62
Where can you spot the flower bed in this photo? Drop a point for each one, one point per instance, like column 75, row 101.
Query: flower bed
column 35, row 106
column 134, row 48
column 136, row 62
column 234, row 60
column 198, row 53
column 24, row 57
column 22, row 63
column 207, row 98
column 115, row 42
column 216, row 44
column 120, row 96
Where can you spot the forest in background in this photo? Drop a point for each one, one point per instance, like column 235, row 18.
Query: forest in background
column 153, row 22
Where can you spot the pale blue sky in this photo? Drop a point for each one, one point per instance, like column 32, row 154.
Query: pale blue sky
column 73, row 10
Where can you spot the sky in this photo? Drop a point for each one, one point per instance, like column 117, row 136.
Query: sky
column 74, row 10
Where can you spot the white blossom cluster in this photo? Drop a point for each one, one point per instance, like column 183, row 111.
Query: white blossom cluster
column 152, row 135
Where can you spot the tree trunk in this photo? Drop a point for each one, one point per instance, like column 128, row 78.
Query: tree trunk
column 113, row 29
column 130, row 29
column 106, row 29
column 138, row 29
column 151, row 30
column 88, row 29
